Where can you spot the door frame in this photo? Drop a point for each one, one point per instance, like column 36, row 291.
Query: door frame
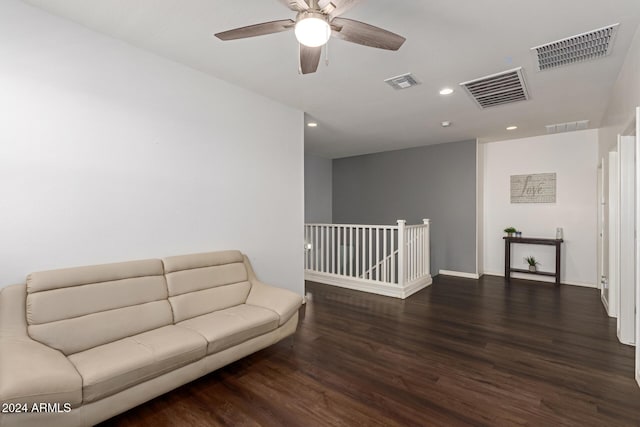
column 635, row 128
column 627, row 250
column 612, row 280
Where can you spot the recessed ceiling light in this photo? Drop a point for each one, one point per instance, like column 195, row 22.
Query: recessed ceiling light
column 446, row 91
column 312, row 124
column 446, row 124
column 512, row 128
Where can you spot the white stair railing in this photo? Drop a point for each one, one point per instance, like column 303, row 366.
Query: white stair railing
column 376, row 255
column 418, row 252
column 415, row 245
column 385, row 266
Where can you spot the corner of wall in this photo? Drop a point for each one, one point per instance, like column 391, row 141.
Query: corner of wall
column 479, row 208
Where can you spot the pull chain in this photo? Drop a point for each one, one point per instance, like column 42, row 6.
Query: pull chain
column 326, row 55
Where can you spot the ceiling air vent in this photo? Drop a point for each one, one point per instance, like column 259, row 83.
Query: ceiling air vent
column 568, row 127
column 498, row 89
column 403, row 81
column 583, row 47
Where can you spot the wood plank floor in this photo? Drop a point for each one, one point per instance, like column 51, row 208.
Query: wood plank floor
column 460, row 353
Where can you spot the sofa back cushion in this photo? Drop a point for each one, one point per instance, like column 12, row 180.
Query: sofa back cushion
column 75, row 309
column 202, row 283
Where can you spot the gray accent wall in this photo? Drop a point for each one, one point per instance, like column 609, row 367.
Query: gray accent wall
column 436, row 182
column 317, row 189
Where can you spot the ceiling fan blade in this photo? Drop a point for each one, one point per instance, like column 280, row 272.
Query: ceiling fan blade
column 309, row 58
column 257, row 30
column 336, row 7
column 365, row 34
column 296, row 5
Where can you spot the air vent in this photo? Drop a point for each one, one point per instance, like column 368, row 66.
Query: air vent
column 498, row 89
column 403, row 81
column 583, row 47
column 568, row 127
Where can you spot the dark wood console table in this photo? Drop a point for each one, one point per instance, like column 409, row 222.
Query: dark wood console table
column 531, row 241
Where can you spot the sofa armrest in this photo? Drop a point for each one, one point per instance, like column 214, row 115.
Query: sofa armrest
column 31, row 372
column 284, row 302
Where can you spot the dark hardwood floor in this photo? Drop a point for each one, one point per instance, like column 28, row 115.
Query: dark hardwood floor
column 462, row 352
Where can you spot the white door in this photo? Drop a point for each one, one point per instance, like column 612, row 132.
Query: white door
column 610, row 285
column 637, row 284
column 627, row 277
column 602, row 275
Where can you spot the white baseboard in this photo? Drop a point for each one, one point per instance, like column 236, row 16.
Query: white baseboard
column 371, row 286
column 543, row 279
column 459, row 274
column 605, row 304
column 626, row 342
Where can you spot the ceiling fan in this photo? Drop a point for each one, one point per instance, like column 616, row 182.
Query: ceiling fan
column 315, row 23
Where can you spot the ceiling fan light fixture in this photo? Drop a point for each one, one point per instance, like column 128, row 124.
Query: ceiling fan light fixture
column 312, row 29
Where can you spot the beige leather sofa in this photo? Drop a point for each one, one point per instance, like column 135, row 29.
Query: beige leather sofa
column 80, row 345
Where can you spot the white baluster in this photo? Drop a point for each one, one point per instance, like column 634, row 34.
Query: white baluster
column 415, row 253
column 421, row 256
column 340, row 249
column 370, row 252
column 317, row 245
column 422, row 230
column 364, row 253
column 418, row 252
column 357, row 252
column 401, row 252
column 333, row 249
column 393, row 257
column 412, row 252
column 384, row 256
column 325, row 243
column 351, row 251
column 377, row 260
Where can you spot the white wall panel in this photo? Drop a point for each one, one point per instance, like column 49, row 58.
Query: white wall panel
column 110, row 153
column 573, row 157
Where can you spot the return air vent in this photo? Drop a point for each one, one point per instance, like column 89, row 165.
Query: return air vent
column 583, row 47
column 403, row 81
column 568, row 127
column 498, row 89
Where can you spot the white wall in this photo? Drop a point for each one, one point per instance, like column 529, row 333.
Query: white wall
column 625, row 97
column 318, row 194
column 109, row 153
column 573, row 157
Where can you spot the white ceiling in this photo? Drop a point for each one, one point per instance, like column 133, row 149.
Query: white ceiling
column 448, row 42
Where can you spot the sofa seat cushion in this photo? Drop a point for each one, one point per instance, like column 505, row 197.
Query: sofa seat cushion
column 116, row 366
column 232, row 326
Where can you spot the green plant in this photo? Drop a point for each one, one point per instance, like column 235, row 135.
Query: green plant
column 510, row 230
column 531, row 260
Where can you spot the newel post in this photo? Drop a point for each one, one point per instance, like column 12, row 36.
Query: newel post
column 427, row 246
column 401, row 252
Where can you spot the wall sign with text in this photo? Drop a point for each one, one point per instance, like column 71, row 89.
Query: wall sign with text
column 533, row 188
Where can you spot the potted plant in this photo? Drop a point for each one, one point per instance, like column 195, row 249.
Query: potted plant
column 531, row 260
column 510, row 231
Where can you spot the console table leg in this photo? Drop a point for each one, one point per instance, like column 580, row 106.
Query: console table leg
column 558, row 264
column 507, row 260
